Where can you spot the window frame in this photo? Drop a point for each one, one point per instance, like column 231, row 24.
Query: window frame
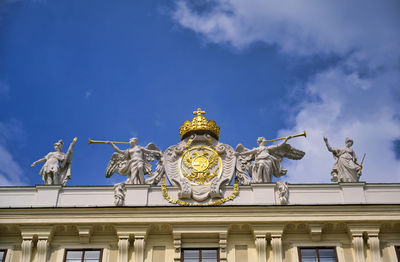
column 397, row 249
column 317, row 248
column 5, row 254
column 83, row 252
column 200, row 253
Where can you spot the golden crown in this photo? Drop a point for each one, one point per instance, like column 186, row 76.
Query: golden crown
column 199, row 123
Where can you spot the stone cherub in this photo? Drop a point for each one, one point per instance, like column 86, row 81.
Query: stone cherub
column 57, row 167
column 133, row 162
column 267, row 159
column 347, row 168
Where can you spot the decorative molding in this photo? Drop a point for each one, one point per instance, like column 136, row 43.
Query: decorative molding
column 222, row 246
column 177, row 246
column 85, row 233
column 316, row 232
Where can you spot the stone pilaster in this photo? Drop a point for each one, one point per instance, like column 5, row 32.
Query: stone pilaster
column 357, row 233
column 275, row 232
column 42, row 249
column 43, row 234
column 373, row 243
column 123, row 248
column 358, row 247
column 177, row 246
column 222, row 246
column 26, row 246
column 276, row 243
column 125, row 233
column 138, row 247
column 261, row 245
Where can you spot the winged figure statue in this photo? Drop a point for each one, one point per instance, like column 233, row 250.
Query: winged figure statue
column 133, row 162
column 267, row 160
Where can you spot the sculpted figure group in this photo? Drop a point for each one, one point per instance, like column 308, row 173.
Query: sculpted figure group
column 257, row 165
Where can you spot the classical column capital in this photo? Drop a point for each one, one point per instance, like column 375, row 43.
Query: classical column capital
column 42, row 232
column 131, row 231
column 270, row 230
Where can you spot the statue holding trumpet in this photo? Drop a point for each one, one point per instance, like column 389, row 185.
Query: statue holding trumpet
column 264, row 162
column 133, row 162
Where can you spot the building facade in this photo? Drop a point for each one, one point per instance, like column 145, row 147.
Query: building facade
column 218, row 205
column 345, row 222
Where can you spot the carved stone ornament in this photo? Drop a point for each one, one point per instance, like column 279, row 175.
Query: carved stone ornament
column 119, row 194
column 199, row 165
column 282, row 192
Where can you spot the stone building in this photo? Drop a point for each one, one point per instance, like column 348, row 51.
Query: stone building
column 154, row 222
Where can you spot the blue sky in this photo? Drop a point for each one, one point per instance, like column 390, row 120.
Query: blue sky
column 111, row 70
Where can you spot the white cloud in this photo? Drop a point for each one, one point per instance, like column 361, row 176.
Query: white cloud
column 11, row 172
column 358, row 98
column 366, row 115
column 300, row 27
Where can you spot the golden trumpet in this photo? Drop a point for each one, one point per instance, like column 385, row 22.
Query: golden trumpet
column 103, row 142
column 302, row 134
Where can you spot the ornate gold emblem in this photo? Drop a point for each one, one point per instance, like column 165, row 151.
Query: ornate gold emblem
column 200, row 164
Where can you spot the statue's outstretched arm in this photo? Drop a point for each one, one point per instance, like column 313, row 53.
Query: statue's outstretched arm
column 38, row 161
column 248, row 152
column 355, row 159
column 284, row 141
column 327, row 145
column 115, row 147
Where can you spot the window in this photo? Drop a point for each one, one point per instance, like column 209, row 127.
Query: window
column 317, row 254
column 83, row 255
column 200, row 255
column 398, row 252
column 3, row 253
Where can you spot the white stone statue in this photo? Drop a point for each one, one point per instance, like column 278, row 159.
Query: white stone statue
column 133, row 162
column 346, row 168
column 119, row 194
column 267, row 159
column 57, row 167
column 282, row 192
